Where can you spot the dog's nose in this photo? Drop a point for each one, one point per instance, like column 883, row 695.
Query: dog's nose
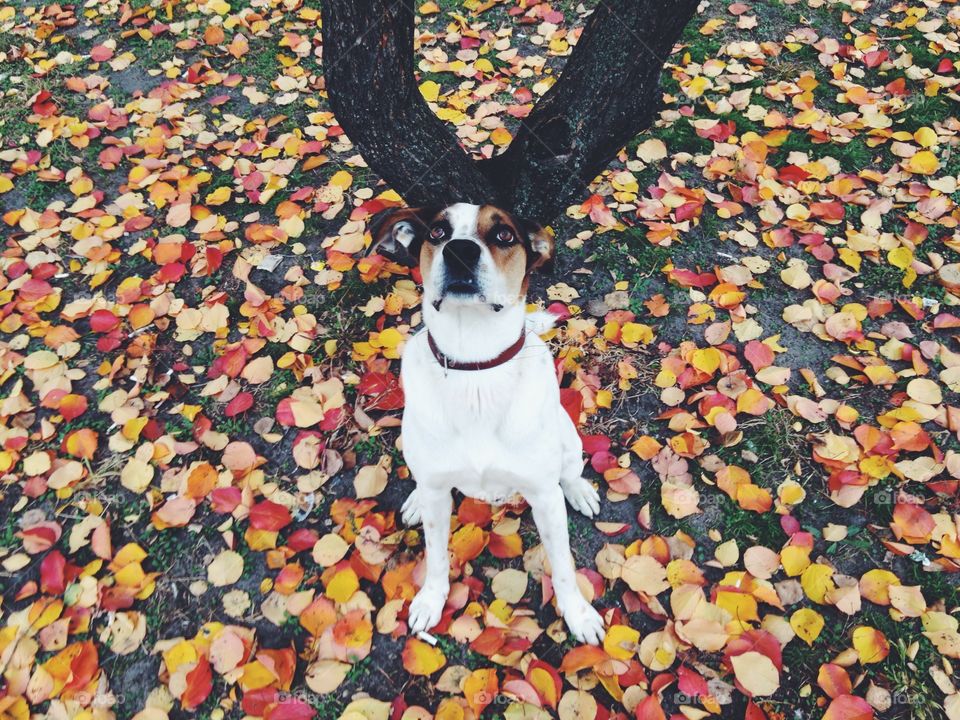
column 461, row 257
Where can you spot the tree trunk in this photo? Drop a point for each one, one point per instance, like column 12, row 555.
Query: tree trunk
column 368, row 67
column 607, row 93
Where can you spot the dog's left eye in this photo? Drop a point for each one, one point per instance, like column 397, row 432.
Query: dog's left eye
column 505, row 236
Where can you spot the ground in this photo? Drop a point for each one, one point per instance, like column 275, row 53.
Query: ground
column 199, row 404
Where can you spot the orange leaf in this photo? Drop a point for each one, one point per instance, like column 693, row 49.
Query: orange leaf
column 582, row 657
column 199, row 684
column 202, row 479
column 468, row 542
column 420, row 658
column 849, row 707
column 546, row 681
column 480, row 688
column 81, row 443
column 834, row 680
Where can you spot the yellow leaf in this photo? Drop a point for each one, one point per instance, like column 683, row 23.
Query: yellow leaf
column 925, row 137
column 136, row 475
column 807, row 624
column 501, row 137
column 343, row 585
column 218, row 196
column 620, row 642
column 6, row 184
column 817, row 581
column 924, row 390
column 871, row 644
column 875, row 585
column 795, row 559
column 226, row 568
column 900, row 257
column 633, row 334
column 707, row 360
column 923, row 163
column 341, row 179
column 420, row 658
column 696, row 87
column 480, row 688
column 430, row 90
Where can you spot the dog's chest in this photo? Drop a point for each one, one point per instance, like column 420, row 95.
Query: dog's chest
column 480, row 431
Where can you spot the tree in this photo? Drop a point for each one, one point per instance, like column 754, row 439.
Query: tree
column 607, row 93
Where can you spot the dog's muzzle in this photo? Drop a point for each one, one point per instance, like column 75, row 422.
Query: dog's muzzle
column 460, row 260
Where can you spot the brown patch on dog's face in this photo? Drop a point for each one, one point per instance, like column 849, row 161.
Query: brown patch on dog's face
column 467, row 251
column 497, row 229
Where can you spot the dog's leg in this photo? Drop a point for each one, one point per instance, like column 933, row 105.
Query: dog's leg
column 550, row 514
column 427, row 607
column 581, row 495
column 579, row 491
column 410, row 512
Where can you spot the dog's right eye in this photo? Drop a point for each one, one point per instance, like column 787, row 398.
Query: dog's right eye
column 438, row 232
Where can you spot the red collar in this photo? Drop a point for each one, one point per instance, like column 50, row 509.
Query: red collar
column 500, row 359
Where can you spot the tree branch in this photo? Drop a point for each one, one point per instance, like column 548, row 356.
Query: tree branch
column 368, row 66
column 607, row 93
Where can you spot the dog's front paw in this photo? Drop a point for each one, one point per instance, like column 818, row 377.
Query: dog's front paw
column 410, row 511
column 584, row 622
column 426, row 608
column 582, row 496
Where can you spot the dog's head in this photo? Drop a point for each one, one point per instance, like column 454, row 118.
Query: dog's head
column 468, row 254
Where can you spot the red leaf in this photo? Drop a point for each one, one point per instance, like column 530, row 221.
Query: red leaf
column 849, row 707
column 199, row 684
column 53, row 579
column 834, row 680
column 256, row 702
column 582, row 657
column 103, row 321
column 72, row 406
column 572, row 402
column 758, row 354
column 650, row 709
column 302, row 539
column 240, row 404
column 290, row 709
column 384, row 387
column 99, row 53
column 225, row 499
column 43, row 105
column 603, row 461
column 270, row 516
column 83, row 668
column 691, row 683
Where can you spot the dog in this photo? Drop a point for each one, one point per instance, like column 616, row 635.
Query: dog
column 483, row 412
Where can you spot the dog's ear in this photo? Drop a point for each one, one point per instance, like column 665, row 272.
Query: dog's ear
column 541, row 246
column 398, row 234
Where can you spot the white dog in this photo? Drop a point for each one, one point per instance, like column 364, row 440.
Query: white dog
column 483, row 412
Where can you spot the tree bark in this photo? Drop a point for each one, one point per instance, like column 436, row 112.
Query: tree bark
column 607, row 93
column 368, row 67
